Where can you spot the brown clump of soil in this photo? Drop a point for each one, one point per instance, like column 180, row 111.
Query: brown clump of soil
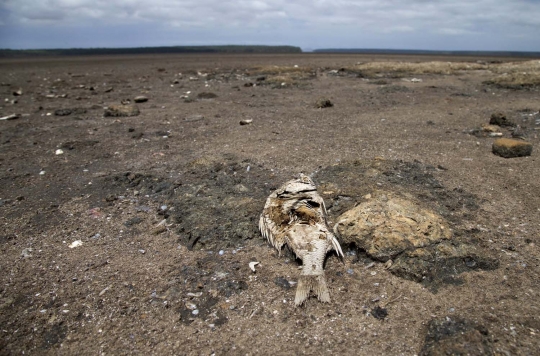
column 134, row 234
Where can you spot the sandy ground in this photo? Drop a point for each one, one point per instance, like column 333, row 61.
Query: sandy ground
column 166, row 206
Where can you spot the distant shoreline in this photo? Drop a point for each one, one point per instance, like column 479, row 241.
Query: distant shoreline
column 55, row 52
column 430, row 52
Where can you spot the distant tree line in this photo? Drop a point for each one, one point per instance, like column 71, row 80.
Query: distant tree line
column 428, row 52
column 146, row 50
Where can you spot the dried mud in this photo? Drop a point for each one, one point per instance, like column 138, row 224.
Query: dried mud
column 164, row 206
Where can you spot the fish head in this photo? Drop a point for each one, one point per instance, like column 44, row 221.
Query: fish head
column 294, row 187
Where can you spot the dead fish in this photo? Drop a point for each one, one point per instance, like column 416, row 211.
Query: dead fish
column 295, row 215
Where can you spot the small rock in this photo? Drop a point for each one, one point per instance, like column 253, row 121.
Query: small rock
column 500, row 119
column 75, row 243
column 509, row 148
column 18, row 92
column 246, row 122
column 158, row 230
column 133, row 221
column 491, row 128
column 109, row 89
column 379, row 313
column 323, row 103
column 518, row 132
column 121, row 111
column 27, row 252
column 206, row 95
column 59, row 152
column 10, row 117
column 62, row 112
column 140, row 99
column 282, row 282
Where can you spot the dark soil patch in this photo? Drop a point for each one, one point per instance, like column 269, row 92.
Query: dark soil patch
column 456, row 336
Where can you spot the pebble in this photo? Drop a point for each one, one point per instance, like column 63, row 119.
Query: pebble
column 121, row 111
column 323, row 103
column 10, row 117
column 140, row 99
column 142, row 251
column 75, row 243
column 246, row 122
column 221, row 252
column 59, row 152
column 27, row 252
column 510, row 148
column 158, row 230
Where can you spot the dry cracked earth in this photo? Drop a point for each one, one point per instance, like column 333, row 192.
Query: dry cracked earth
column 134, row 234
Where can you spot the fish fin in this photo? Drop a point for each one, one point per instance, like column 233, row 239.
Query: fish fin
column 306, row 284
column 337, row 246
column 265, row 230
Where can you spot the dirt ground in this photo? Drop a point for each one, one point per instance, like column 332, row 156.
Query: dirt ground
column 135, row 237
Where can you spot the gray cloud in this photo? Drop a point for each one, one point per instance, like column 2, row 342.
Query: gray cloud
column 493, row 24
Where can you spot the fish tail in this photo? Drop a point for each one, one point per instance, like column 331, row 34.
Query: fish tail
column 308, row 283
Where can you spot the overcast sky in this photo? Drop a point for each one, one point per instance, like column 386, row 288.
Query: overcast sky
column 398, row 24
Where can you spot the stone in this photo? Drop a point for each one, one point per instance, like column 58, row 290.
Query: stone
column 518, row 132
column 323, row 103
column 121, row 111
column 500, row 119
column 206, row 95
column 140, row 99
column 491, row 128
column 386, row 226
column 510, row 148
column 10, row 117
column 62, row 112
column 66, row 112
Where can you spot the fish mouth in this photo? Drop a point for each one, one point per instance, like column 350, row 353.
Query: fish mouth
column 286, row 193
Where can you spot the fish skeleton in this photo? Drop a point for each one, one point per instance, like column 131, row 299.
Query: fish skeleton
column 295, row 215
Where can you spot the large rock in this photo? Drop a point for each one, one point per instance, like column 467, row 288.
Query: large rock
column 418, row 241
column 386, row 226
column 121, row 110
column 509, row 148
